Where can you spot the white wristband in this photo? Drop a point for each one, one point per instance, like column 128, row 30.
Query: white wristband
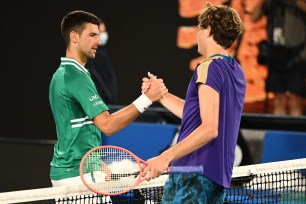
column 142, row 103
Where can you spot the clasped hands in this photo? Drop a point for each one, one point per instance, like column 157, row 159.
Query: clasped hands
column 153, row 87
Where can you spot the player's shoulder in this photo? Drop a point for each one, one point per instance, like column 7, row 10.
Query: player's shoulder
column 204, row 65
column 73, row 66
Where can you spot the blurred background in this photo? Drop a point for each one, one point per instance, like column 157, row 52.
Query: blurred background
column 157, row 36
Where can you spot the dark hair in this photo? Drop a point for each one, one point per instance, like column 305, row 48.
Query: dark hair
column 75, row 21
column 226, row 25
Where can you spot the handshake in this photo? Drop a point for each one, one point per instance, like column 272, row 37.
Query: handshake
column 152, row 89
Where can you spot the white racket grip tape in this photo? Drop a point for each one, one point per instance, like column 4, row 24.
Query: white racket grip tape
column 186, row 169
column 142, row 103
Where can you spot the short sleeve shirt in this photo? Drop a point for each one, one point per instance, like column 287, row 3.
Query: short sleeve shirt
column 74, row 102
column 225, row 76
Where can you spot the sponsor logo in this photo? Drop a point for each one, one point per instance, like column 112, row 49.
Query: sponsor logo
column 97, row 103
column 92, row 98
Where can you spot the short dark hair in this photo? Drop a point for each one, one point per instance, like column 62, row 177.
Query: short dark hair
column 226, row 25
column 75, row 21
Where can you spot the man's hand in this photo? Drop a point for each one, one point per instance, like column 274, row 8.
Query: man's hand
column 107, row 171
column 145, row 85
column 154, row 168
column 153, row 88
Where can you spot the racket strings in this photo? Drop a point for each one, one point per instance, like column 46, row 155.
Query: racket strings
column 110, row 170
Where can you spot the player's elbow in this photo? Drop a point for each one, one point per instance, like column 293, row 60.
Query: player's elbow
column 105, row 123
column 214, row 133
column 210, row 131
column 109, row 128
column 106, row 128
column 108, row 131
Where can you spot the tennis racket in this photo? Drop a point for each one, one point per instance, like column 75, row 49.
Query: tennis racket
column 112, row 170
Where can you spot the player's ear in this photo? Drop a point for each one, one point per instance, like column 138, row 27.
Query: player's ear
column 208, row 30
column 74, row 36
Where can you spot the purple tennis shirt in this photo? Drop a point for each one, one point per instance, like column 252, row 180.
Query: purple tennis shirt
column 224, row 75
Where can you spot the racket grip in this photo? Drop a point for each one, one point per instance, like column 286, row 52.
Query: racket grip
column 186, row 169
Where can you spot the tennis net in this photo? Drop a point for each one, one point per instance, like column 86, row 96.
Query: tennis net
column 275, row 182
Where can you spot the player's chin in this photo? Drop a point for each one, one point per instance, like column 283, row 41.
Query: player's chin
column 91, row 55
column 93, row 52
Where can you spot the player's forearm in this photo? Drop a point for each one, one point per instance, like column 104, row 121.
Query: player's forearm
column 114, row 122
column 198, row 138
column 173, row 103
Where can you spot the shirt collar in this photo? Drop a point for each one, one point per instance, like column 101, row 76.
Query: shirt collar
column 69, row 61
column 215, row 56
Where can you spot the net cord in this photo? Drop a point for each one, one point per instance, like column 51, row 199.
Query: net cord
column 64, row 191
column 67, row 191
column 270, row 167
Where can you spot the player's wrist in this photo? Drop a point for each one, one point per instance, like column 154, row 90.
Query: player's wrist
column 142, row 103
column 166, row 157
column 163, row 98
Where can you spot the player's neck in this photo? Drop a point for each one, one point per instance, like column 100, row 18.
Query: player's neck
column 216, row 49
column 72, row 55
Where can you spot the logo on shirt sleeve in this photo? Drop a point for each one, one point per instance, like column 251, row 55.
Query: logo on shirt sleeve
column 96, row 100
column 95, row 97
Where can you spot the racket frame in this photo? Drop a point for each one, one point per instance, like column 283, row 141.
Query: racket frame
column 137, row 159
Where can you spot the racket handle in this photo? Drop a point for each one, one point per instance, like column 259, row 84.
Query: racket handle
column 186, row 169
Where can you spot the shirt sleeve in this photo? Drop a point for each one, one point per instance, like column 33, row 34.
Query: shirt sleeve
column 209, row 74
column 84, row 91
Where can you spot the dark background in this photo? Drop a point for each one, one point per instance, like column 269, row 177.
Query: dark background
column 142, row 38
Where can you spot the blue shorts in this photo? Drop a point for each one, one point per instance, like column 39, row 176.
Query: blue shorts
column 192, row 188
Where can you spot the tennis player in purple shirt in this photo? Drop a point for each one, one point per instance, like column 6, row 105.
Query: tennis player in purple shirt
column 210, row 114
